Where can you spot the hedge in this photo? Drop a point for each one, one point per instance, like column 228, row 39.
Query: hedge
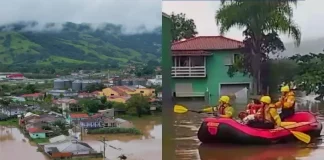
column 115, row 130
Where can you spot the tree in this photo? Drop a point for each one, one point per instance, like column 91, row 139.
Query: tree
column 61, row 95
column 90, row 106
column 103, row 99
column 310, row 75
column 48, row 98
column 5, row 103
column 30, row 88
column 95, row 87
column 138, row 104
column 182, row 27
column 262, row 21
column 119, row 106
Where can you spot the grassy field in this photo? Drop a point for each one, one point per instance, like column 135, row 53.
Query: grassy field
column 40, row 140
column 10, row 122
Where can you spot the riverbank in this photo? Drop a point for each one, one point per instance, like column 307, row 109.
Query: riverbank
column 10, row 122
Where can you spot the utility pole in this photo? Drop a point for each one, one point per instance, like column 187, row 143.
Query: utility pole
column 104, row 143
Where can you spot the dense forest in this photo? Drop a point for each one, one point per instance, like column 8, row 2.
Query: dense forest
column 73, row 46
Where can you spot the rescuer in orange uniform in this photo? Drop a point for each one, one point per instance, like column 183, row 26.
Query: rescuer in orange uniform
column 267, row 117
column 224, row 109
column 286, row 102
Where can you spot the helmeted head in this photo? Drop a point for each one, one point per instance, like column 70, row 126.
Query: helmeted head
column 265, row 100
column 224, row 99
column 285, row 89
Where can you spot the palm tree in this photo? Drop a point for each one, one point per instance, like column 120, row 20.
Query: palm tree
column 258, row 18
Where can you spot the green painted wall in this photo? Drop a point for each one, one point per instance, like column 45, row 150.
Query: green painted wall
column 166, row 55
column 216, row 75
column 37, row 135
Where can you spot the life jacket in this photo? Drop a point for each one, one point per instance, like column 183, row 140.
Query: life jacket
column 253, row 108
column 221, row 109
column 264, row 115
column 285, row 99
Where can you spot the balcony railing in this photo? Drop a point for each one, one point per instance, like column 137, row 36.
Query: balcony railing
column 190, row 94
column 197, row 71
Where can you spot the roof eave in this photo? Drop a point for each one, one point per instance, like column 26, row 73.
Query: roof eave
column 166, row 15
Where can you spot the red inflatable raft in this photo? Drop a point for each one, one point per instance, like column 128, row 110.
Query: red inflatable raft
column 222, row 130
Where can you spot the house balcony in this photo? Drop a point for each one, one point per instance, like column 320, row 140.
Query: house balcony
column 188, row 72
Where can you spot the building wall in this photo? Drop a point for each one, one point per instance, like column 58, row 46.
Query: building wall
column 166, row 58
column 216, row 75
column 37, row 135
column 120, row 100
column 109, row 91
column 146, row 91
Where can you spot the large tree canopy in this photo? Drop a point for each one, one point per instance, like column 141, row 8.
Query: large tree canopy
column 182, row 27
column 261, row 22
column 310, row 73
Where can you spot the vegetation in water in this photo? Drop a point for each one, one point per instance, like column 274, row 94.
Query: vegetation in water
column 40, row 140
column 115, row 130
column 9, row 122
column 261, row 21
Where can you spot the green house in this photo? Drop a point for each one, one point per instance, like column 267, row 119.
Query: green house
column 199, row 69
column 37, row 133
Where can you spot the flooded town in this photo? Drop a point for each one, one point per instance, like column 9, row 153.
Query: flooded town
column 81, row 80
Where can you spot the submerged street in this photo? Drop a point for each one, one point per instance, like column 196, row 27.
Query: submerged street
column 149, row 142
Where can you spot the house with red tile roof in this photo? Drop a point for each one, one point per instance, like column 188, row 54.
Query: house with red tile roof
column 33, row 96
column 75, row 117
column 37, row 133
column 200, row 66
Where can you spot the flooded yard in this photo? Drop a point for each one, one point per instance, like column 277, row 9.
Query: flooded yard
column 188, row 147
column 13, row 144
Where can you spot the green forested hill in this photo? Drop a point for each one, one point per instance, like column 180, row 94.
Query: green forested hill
column 74, row 45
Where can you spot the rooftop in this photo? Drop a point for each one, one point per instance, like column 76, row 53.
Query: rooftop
column 36, row 130
column 32, row 95
column 79, row 115
column 205, row 43
column 118, row 90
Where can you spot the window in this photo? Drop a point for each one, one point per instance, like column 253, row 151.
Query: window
column 112, row 94
column 236, row 58
column 231, row 59
column 141, row 91
column 197, row 61
column 228, row 60
column 153, row 91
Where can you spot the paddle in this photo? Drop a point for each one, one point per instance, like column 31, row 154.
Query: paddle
column 182, row 109
column 300, row 135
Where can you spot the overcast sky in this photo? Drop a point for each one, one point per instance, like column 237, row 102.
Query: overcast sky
column 131, row 13
column 308, row 15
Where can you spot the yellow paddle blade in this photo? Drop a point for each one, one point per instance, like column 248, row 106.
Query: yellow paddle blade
column 302, row 136
column 284, row 124
column 209, row 109
column 180, row 109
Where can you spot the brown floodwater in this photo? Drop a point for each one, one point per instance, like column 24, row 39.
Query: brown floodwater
column 188, row 147
column 14, row 146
